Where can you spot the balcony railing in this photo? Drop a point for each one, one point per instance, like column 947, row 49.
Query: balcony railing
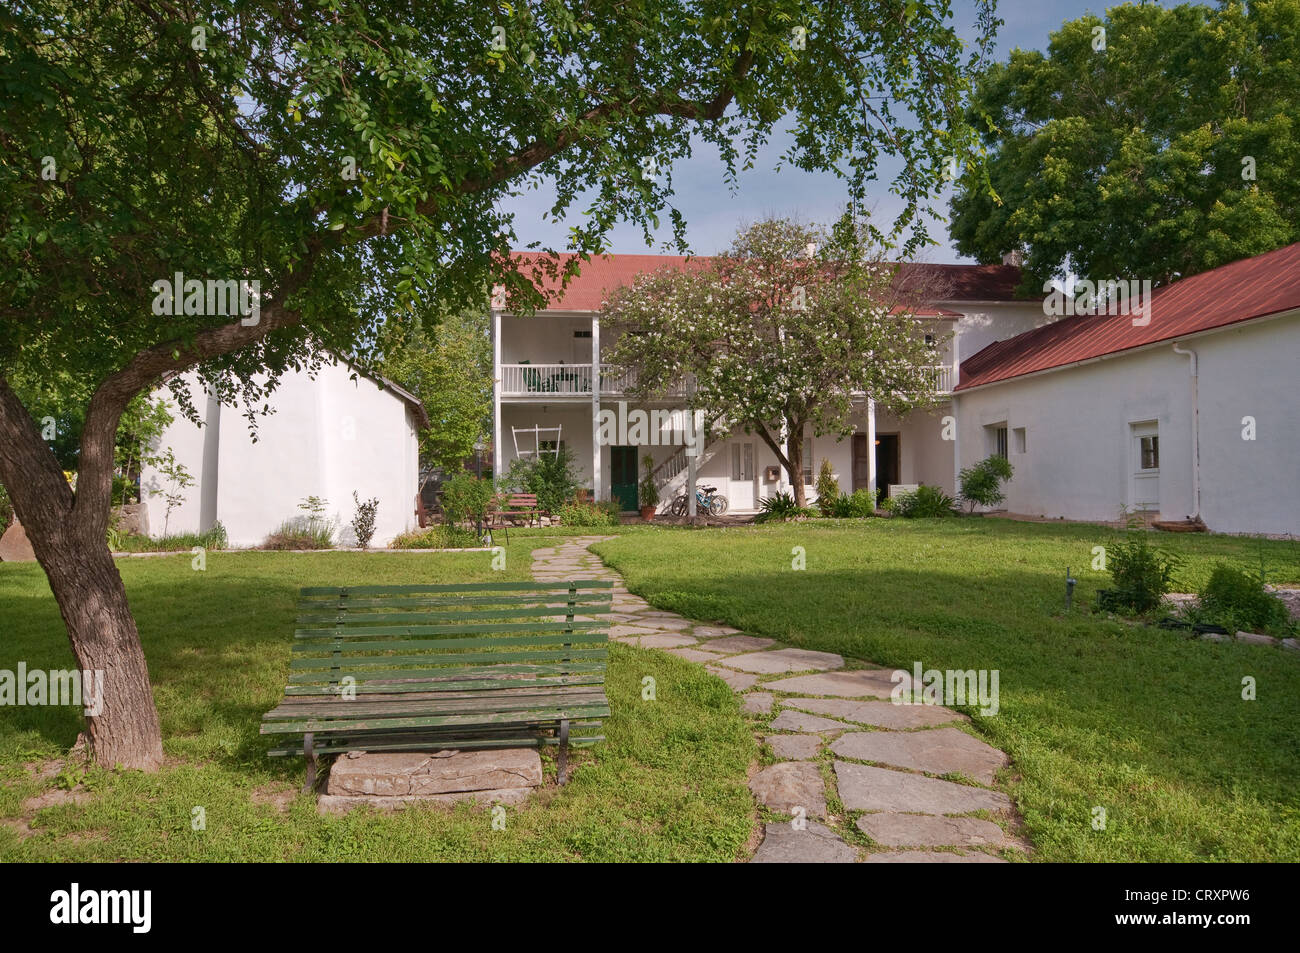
column 542, row 380
column 942, row 378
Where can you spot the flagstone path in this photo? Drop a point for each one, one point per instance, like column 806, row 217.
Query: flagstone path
column 845, row 756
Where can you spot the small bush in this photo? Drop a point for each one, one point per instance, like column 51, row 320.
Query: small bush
column 466, row 499
column 214, row 538
column 1141, row 574
column 437, row 537
column 828, row 489
column 779, row 508
column 1238, row 601
column 981, row 484
column 587, row 514
column 301, row 533
column 925, row 502
column 363, row 523
column 857, row 505
column 551, row 477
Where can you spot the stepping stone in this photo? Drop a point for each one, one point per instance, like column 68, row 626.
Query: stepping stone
column 939, row 751
column 790, row 785
column 864, row 788
column 815, row 844
column 794, row 747
column 661, row 623
column 710, row 631
column 931, row 857
column 694, row 655
column 870, row 682
column 1254, row 638
column 419, row 773
column 879, row 714
column 740, row 643
column 929, row 830
column 739, row 681
column 618, row 630
column 757, row 703
column 664, row 640
column 784, row 660
column 800, row 721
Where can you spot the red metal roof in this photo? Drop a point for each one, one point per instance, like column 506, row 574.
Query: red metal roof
column 602, row 274
column 1250, row 288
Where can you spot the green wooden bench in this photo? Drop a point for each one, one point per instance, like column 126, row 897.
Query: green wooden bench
column 474, row 665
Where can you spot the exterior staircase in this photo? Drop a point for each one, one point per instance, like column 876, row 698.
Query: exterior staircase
column 671, row 475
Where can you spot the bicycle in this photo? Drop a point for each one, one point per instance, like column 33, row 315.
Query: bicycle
column 707, row 502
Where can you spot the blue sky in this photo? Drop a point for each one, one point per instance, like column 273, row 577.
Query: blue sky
column 713, row 212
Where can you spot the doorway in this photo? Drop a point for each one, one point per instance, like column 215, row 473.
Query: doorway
column 741, row 489
column 861, row 463
column 623, row 478
column 889, row 467
column 1144, row 486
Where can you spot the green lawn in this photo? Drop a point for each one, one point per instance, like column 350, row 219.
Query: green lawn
column 668, row 784
column 1094, row 712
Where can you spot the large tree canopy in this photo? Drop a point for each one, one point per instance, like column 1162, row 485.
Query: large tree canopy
column 351, row 157
column 1172, row 150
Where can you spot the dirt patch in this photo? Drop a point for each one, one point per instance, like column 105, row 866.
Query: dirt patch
column 279, row 796
column 55, row 798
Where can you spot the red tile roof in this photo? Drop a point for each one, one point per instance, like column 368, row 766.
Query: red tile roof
column 604, row 273
column 1250, row 288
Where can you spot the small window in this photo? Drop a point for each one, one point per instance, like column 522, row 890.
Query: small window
column 1018, row 439
column 1000, row 441
column 582, row 334
column 1150, row 452
column 742, row 461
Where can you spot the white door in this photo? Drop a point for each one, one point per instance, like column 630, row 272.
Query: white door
column 1144, row 489
column 741, row 491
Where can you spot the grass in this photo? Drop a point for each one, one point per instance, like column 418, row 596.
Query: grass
column 1095, row 712
column 668, row 784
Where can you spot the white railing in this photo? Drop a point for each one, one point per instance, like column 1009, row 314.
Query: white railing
column 943, row 378
column 520, row 380
column 616, row 380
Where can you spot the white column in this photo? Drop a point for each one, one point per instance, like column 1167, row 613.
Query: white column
column 596, row 481
column 498, row 448
column 690, row 485
column 956, row 443
column 871, row 445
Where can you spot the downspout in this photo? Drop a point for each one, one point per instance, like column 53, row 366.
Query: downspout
column 1196, row 428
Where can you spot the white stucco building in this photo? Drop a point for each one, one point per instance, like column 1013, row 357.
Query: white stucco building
column 551, row 383
column 1193, row 415
column 329, row 435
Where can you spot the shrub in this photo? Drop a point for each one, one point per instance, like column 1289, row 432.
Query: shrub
column 859, row 504
column 1141, row 574
column 551, row 477
column 300, row 533
column 648, row 491
column 120, row 542
column 1238, row 600
column 466, row 499
column 828, row 490
column 587, row 514
column 780, row 507
column 363, row 523
column 437, row 537
column 923, row 503
column 982, row 483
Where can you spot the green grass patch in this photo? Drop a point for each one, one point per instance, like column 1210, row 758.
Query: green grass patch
column 1095, row 712
column 668, row 784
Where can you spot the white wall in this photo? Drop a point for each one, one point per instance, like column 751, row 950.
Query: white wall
column 327, row 438
column 982, row 324
column 1078, row 461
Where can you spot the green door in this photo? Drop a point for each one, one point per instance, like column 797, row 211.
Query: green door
column 622, row 484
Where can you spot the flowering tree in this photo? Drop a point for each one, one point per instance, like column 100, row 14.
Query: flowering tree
column 792, row 328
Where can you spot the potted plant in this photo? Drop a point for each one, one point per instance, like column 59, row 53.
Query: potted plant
column 648, row 491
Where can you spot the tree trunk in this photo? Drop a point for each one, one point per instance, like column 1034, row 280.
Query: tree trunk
column 794, row 451
column 68, row 535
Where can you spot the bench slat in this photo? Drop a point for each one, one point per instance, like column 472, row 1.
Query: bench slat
column 337, row 591
column 520, row 717
column 346, row 648
column 469, row 628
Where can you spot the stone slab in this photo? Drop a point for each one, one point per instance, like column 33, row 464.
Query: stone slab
column 663, row 640
column 815, row 844
column 931, row 857
column 938, row 751
column 740, row 643
column 739, row 681
column 794, row 747
column 694, row 655
column 861, row 683
column 712, row 631
column 876, row 713
column 789, row 785
column 802, row 721
column 930, row 830
column 621, row 630
column 784, row 660
column 864, row 788
column 1256, row 638
column 757, row 703
column 342, row 803
column 422, row 773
